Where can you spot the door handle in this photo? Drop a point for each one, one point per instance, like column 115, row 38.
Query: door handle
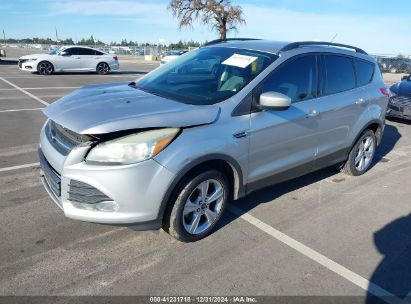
column 312, row 113
column 240, row 134
column 76, row 57
column 360, row 101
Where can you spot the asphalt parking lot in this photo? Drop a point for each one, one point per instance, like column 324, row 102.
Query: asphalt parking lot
column 325, row 234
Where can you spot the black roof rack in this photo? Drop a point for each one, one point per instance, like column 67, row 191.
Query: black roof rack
column 295, row 45
column 228, row 39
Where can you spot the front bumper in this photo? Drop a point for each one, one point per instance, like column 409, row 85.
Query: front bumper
column 28, row 66
column 399, row 107
column 136, row 190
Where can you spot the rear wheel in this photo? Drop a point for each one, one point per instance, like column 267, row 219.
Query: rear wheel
column 45, row 68
column 199, row 203
column 361, row 155
column 102, row 68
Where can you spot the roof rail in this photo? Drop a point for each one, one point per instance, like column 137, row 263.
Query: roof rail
column 228, row 39
column 295, row 45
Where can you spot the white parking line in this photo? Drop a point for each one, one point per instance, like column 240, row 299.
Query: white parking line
column 319, row 258
column 18, row 110
column 19, row 167
column 42, row 88
column 24, row 91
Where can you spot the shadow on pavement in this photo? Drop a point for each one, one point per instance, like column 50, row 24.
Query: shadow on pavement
column 393, row 274
column 388, row 142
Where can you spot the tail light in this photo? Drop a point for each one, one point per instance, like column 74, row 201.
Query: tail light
column 115, row 58
column 385, row 92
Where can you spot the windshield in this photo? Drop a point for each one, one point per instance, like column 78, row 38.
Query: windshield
column 54, row 51
column 207, row 75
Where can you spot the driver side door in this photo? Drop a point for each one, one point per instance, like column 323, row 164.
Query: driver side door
column 283, row 143
column 68, row 59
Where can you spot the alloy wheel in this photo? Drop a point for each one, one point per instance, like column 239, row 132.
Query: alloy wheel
column 365, row 154
column 203, row 206
column 102, row 68
column 45, row 68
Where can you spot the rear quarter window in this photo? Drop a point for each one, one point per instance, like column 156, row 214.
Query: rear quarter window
column 364, row 71
column 339, row 74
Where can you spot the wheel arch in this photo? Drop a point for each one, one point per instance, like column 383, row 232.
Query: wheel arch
column 45, row 60
column 224, row 163
column 374, row 125
column 109, row 68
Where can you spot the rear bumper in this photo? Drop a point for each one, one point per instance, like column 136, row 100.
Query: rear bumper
column 114, row 66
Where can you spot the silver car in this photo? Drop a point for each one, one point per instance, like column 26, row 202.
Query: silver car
column 173, row 148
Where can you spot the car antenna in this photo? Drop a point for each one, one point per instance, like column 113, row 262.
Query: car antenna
column 333, row 38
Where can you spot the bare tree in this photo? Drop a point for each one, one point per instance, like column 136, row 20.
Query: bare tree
column 221, row 15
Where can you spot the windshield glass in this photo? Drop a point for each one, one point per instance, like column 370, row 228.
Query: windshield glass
column 207, row 75
column 54, row 51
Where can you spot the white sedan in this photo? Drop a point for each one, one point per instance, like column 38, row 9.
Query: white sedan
column 170, row 56
column 69, row 59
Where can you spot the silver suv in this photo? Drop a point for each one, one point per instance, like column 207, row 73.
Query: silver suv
column 173, row 148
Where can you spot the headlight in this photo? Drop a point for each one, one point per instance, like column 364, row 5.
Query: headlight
column 31, row 59
column 133, row 148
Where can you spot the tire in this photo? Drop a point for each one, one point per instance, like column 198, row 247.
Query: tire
column 45, row 68
column 361, row 155
column 102, row 68
column 191, row 217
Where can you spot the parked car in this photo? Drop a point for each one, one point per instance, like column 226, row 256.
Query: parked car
column 170, row 56
column 399, row 105
column 395, row 65
column 69, row 59
column 173, row 148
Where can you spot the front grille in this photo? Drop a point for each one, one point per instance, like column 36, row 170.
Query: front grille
column 63, row 139
column 21, row 61
column 401, row 104
column 400, row 101
column 84, row 193
column 50, row 175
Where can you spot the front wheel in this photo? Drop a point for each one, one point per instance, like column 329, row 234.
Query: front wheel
column 199, row 203
column 45, row 68
column 102, row 68
column 361, row 155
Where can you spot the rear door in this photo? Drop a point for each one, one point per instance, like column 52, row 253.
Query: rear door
column 88, row 59
column 340, row 106
column 283, row 143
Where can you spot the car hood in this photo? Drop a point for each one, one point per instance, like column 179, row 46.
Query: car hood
column 33, row 56
column 106, row 108
column 402, row 88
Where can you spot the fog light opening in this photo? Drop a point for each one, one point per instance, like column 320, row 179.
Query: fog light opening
column 107, row 206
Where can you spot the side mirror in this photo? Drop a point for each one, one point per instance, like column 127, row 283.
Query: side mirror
column 405, row 77
column 274, row 101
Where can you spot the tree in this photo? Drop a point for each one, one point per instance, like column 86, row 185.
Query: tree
column 221, row 15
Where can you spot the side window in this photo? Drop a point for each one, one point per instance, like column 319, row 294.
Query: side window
column 70, row 51
column 297, row 79
column 99, row 53
column 86, row 51
column 364, row 71
column 339, row 74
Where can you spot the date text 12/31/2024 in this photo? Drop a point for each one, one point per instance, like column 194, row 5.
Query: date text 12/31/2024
column 203, row 299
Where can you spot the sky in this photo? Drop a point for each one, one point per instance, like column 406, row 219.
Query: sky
column 378, row 26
